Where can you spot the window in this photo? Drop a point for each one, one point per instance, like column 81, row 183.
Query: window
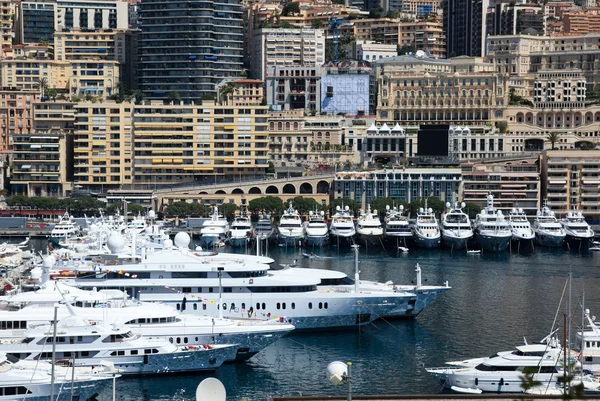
column 310, row 305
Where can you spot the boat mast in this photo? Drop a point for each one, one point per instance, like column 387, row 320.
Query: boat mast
column 356, row 271
column 53, row 354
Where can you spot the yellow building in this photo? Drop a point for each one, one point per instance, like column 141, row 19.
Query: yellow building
column 7, row 10
column 102, row 144
column 206, row 142
column 94, row 77
column 26, row 73
column 90, row 45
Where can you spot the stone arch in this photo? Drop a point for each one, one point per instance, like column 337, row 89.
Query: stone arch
column 220, row 192
column 254, row 190
column 237, row 191
column 323, row 187
column 289, row 189
column 306, row 188
column 203, row 193
column 519, row 117
column 272, row 189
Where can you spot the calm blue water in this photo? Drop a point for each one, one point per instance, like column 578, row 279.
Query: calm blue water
column 495, row 300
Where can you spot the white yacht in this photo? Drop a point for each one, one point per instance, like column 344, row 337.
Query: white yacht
column 588, row 343
column 369, row 228
column 456, row 227
column 290, row 229
column 492, row 231
column 249, row 288
column 426, row 231
column 84, row 344
column 342, row 229
column 138, row 224
column 242, row 232
column 214, row 230
column 503, row 372
column 316, row 230
column 548, row 231
column 264, row 227
column 578, row 231
column 33, row 381
column 520, row 227
column 66, row 227
column 397, row 227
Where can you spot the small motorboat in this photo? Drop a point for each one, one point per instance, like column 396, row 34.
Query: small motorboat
column 465, row 390
column 594, row 248
column 403, row 248
column 474, row 251
column 310, row 255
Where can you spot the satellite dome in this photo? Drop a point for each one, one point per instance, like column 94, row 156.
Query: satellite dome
column 35, row 274
column 115, row 243
column 48, row 262
column 448, row 204
column 338, row 208
column 168, row 244
column 421, row 210
column 148, row 230
column 337, row 372
column 463, row 204
column 347, row 208
column 151, row 214
column 182, row 240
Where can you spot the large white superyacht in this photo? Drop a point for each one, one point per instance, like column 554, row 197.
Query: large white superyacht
column 214, row 230
column 426, row 231
column 492, row 231
column 369, row 228
column 548, row 231
column 456, row 227
column 397, row 227
column 242, row 285
column 316, row 230
column 520, row 227
column 578, row 231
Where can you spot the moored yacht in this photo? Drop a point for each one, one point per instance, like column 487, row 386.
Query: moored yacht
column 316, row 230
column 248, row 288
column 397, row 227
column 579, row 235
column 369, row 228
column 66, row 227
column 33, row 381
column 503, row 372
column 492, row 231
column 242, row 232
column 290, row 229
column 456, row 227
column 138, row 224
column 587, row 341
column 426, row 231
column 214, row 230
column 264, row 227
column 548, row 231
column 520, row 227
column 342, row 229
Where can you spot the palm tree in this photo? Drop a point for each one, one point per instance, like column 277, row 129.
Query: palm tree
column 43, row 84
column 553, row 138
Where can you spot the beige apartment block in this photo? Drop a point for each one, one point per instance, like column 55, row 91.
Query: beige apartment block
column 514, row 182
column 16, row 115
column 289, row 143
column 571, row 179
column 242, row 92
column 421, row 90
column 25, row 73
column 7, row 10
column 103, row 145
column 90, row 45
column 582, row 22
column 206, row 142
column 94, row 77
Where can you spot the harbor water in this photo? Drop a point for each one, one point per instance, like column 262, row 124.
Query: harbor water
column 495, row 300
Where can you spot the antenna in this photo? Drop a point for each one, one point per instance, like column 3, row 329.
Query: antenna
column 211, row 389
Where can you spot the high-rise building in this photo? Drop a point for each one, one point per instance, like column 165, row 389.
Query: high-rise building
column 186, row 47
column 465, row 27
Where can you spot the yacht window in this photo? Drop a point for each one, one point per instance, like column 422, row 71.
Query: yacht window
column 163, row 319
column 283, row 305
column 257, row 306
column 232, row 306
column 326, row 305
column 187, row 289
column 589, row 359
column 154, row 320
column 278, row 306
column 264, row 306
column 171, row 340
column 178, row 340
column 149, row 351
column 210, row 289
column 154, row 351
column 196, row 339
column 134, row 352
column 320, row 305
column 224, row 306
column 293, row 305
column 120, row 353
column 203, row 306
column 185, row 340
column 310, row 305
column 85, row 353
column 195, row 306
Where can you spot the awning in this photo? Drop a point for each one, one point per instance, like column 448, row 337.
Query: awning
column 514, row 185
column 26, row 166
column 591, row 181
column 49, row 146
column 467, row 192
column 35, row 146
column 557, row 182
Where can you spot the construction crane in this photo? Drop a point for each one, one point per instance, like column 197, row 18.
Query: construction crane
column 334, row 25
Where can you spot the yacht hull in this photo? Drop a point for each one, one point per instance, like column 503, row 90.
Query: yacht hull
column 424, row 298
column 316, row 240
column 454, row 242
column 398, row 240
column 494, row 382
column 370, row 240
column 550, row 241
column 341, row 240
column 578, row 243
column 210, row 241
column 490, row 243
column 426, row 242
column 290, row 240
column 240, row 242
column 82, row 390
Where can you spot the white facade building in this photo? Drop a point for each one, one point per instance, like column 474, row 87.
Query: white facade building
column 369, row 50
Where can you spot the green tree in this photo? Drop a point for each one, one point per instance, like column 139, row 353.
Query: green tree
column 271, row 168
column 290, row 8
column 472, row 210
column 174, row 96
column 502, row 126
column 437, row 205
column 404, row 49
column 304, row 205
column 52, row 93
column 208, row 96
column 228, row 210
column 553, row 137
column 267, row 204
column 316, row 23
column 42, row 83
column 380, row 204
column 353, row 206
column 376, row 12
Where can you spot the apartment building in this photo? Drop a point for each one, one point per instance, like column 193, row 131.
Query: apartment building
column 7, row 9
column 326, row 142
column 94, row 77
column 571, row 179
column 16, row 115
column 512, row 19
column 368, row 50
column 289, row 143
column 294, row 87
column 521, row 55
column 242, row 92
column 514, row 182
column 25, row 73
column 302, row 47
column 77, row 44
column 179, row 143
column 345, row 88
column 581, row 22
column 459, row 91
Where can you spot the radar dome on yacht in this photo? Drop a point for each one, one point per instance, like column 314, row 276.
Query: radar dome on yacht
column 347, row 208
column 463, row 204
column 499, row 212
column 168, row 244
column 338, row 208
column 148, row 230
column 448, row 204
column 375, row 211
column 115, row 243
column 520, row 210
column 421, row 210
column 401, row 207
column 569, row 214
column 151, row 214
column 35, row 274
column 482, row 211
column 430, row 210
column 579, row 214
column 387, row 207
column 513, row 210
column 310, row 213
column 48, row 262
column 182, row 240
column 322, row 213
